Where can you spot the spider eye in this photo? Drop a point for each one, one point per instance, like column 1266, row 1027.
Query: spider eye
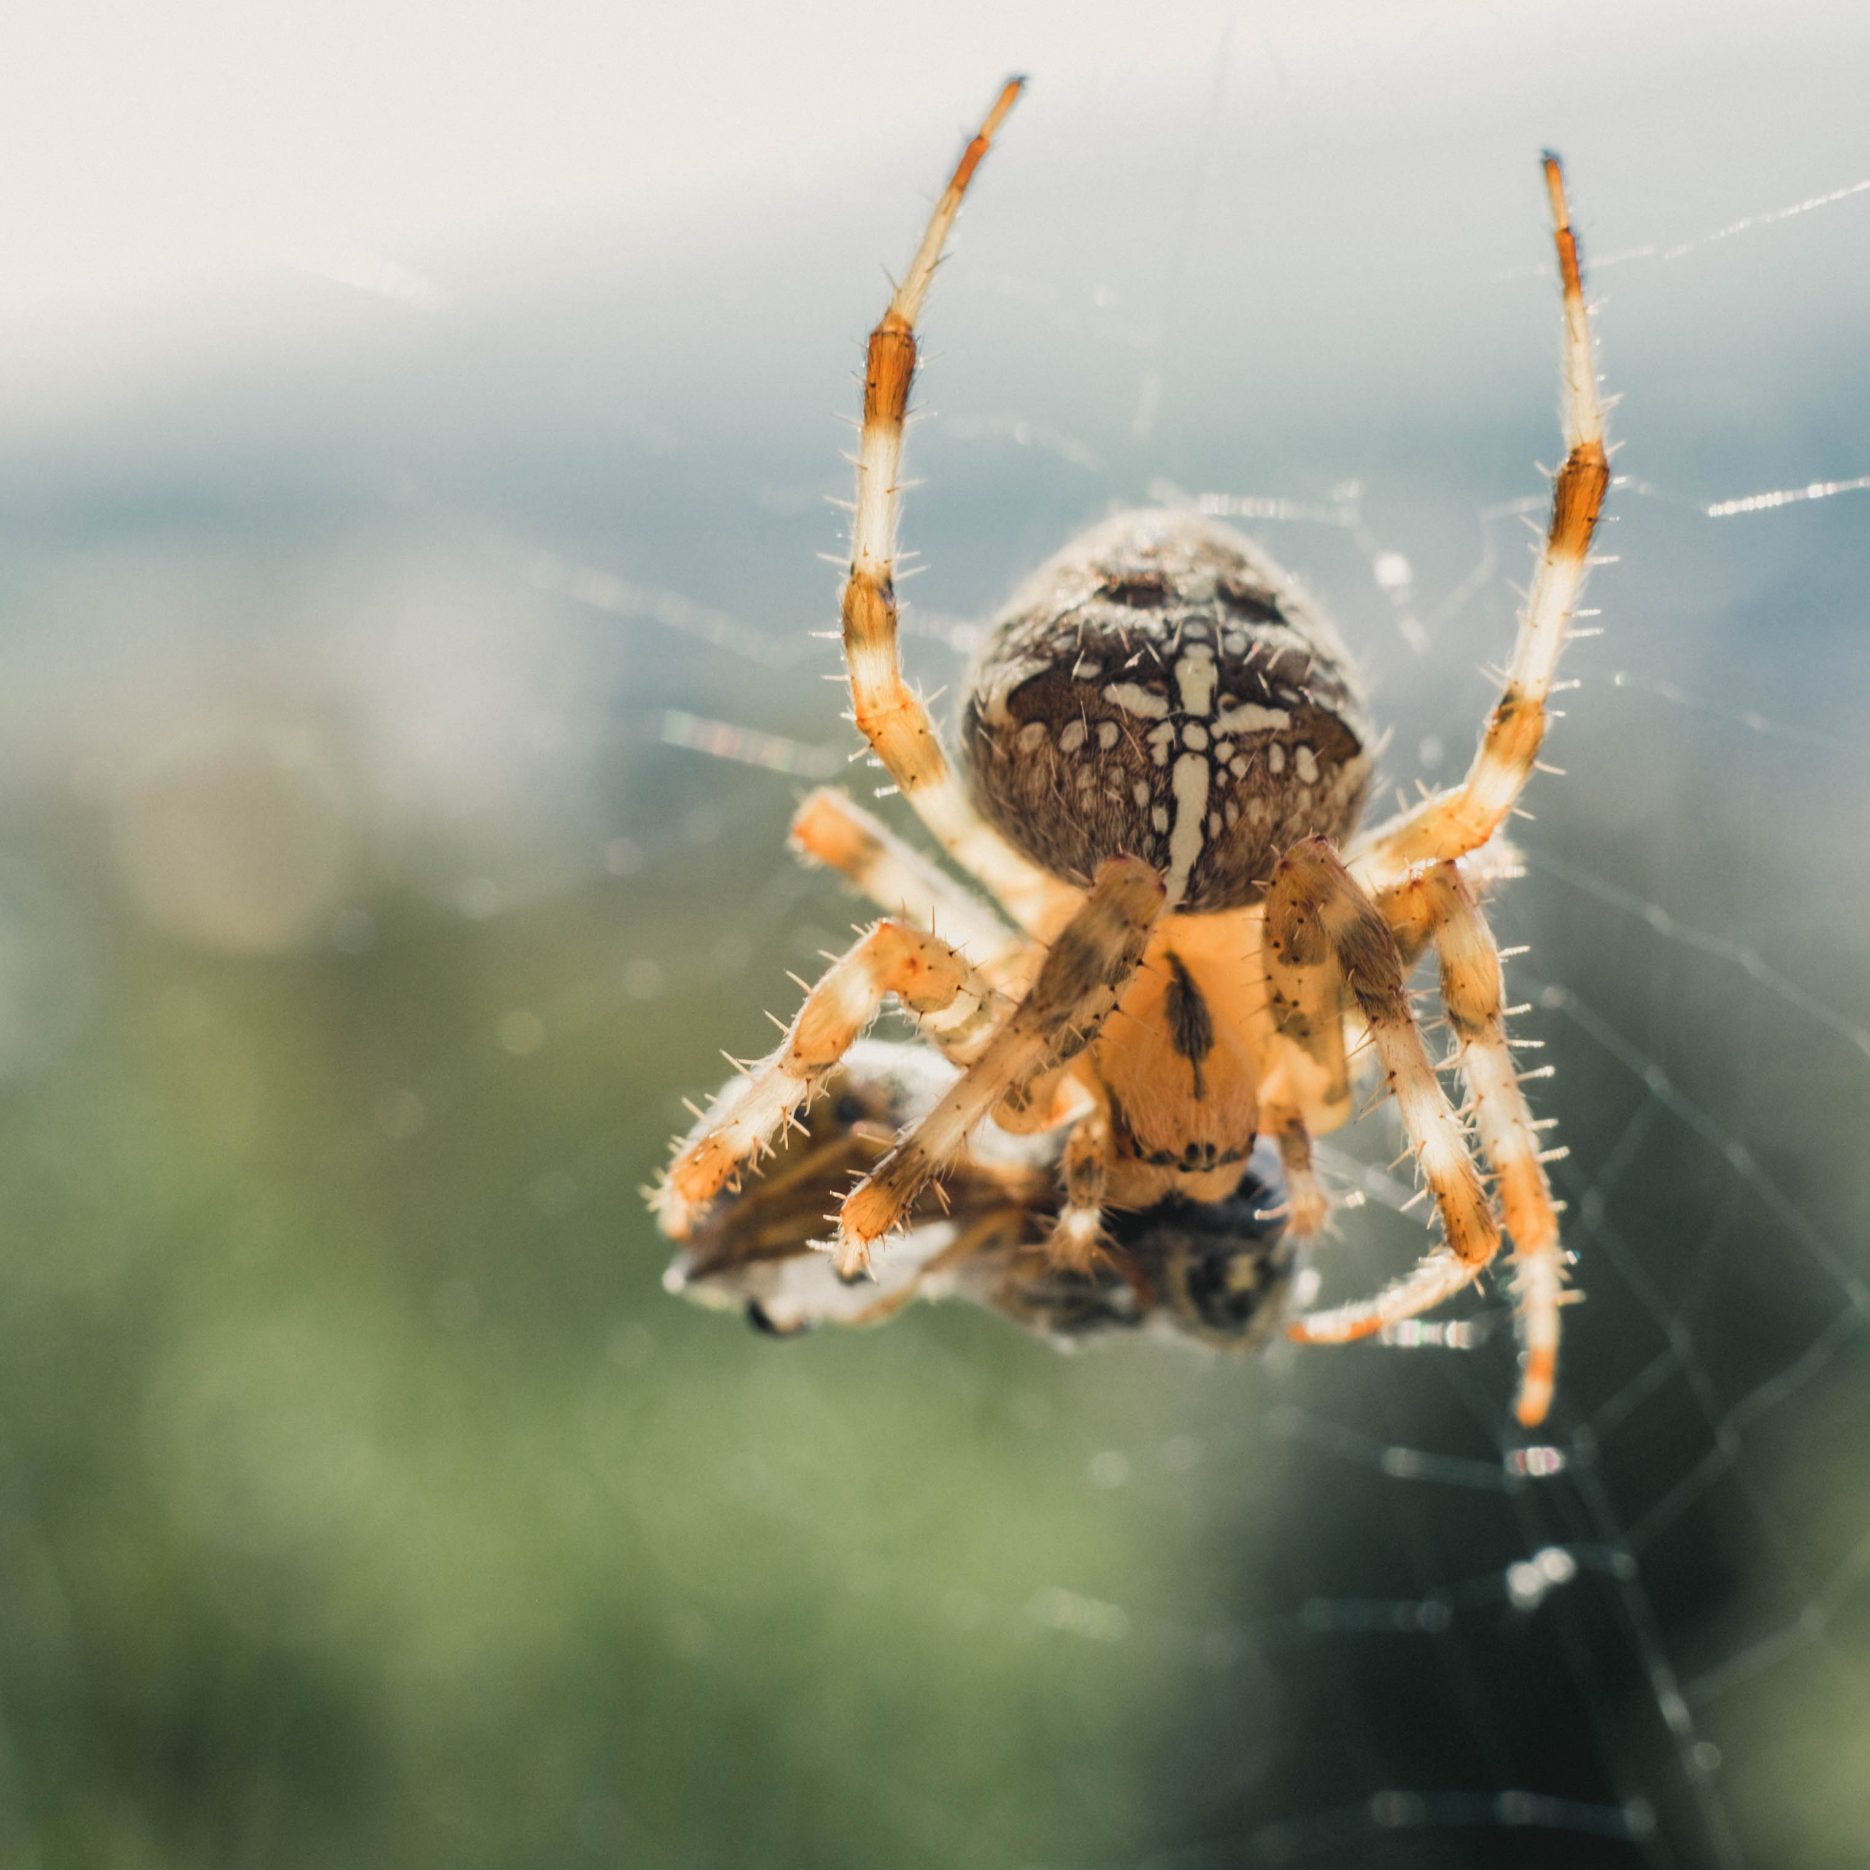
column 849, row 1109
column 1250, row 602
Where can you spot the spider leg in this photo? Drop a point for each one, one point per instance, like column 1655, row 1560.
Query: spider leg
column 830, row 828
column 1308, row 1207
column 1076, row 989
column 1077, row 1240
column 987, row 1233
column 1470, row 990
column 1409, row 912
column 1317, row 919
column 1308, row 1085
column 951, row 1001
column 1451, row 823
column 889, row 714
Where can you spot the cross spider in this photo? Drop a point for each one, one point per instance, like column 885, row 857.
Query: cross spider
column 1167, row 757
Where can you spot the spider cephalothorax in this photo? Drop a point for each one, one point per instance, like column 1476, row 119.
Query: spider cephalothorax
column 1161, row 689
column 1168, row 756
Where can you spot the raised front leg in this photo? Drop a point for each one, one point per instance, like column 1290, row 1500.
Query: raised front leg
column 1450, row 824
column 888, row 712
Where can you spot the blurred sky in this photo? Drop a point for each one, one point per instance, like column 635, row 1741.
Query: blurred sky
column 359, row 123
column 152, row 150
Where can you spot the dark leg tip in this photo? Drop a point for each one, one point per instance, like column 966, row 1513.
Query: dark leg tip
column 763, row 1322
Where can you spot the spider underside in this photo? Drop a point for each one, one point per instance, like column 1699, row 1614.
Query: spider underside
column 1181, row 943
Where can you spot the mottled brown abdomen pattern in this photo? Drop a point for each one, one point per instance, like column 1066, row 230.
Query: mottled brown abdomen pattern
column 1162, row 690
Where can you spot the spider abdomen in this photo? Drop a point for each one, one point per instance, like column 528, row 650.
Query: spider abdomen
column 1160, row 689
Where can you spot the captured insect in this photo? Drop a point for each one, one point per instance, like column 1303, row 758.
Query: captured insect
column 1219, row 1272
column 1189, row 948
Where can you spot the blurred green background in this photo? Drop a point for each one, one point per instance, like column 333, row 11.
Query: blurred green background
column 367, row 910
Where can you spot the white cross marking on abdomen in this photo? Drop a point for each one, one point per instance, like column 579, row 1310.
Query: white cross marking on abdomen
column 1196, row 680
column 1190, row 780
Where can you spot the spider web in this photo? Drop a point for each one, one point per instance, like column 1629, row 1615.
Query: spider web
column 395, row 840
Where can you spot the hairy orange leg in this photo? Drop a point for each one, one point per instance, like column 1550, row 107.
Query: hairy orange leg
column 951, row 1001
column 1451, row 823
column 1317, row 917
column 1077, row 987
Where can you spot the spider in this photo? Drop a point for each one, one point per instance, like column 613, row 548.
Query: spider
column 1191, row 940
